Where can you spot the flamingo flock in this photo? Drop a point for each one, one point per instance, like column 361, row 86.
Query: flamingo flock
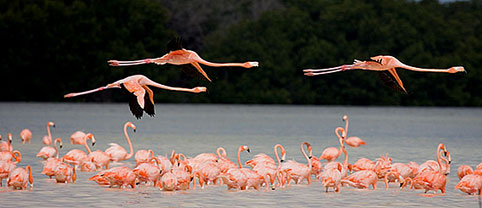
column 177, row 172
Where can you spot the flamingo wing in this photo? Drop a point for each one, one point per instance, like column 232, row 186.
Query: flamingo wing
column 149, row 102
column 174, row 44
column 134, row 105
column 391, row 79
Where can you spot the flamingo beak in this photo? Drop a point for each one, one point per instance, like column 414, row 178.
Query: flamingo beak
column 134, row 130
column 93, row 143
column 248, row 150
column 60, row 145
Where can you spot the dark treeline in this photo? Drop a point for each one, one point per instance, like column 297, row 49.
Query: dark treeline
column 50, row 48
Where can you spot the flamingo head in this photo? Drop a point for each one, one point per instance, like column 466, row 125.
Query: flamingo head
column 130, row 124
column 456, row 69
column 50, row 123
column 383, row 60
column 59, row 140
column 91, row 137
column 242, row 148
column 345, row 117
column 10, row 138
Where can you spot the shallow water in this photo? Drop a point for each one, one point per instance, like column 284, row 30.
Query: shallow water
column 406, row 134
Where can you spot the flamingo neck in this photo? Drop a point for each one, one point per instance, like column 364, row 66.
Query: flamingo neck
column 306, row 156
column 17, row 156
column 439, row 157
column 412, row 68
column 346, row 128
column 48, row 133
column 85, row 145
column 56, row 150
column 156, row 160
column 74, row 175
column 345, row 164
column 155, row 84
column 130, row 144
column 239, row 157
column 221, row 155
column 340, row 138
column 276, row 154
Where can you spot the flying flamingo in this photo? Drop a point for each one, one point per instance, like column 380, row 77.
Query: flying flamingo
column 26, row 136
column 20, row 177
column 6, row 146
column 332, row 177
column 464, row 170
column 470, row 184
column 385, row 66
column 118, row 153
column 299, row 171
column 47, row 140
column 48, row 151
column 331, row 153
column 64, row 173
column 137, row 86
column 180, row 56
column 76, row 156
column 351, row 141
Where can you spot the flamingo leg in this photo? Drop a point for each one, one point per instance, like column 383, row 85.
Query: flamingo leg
column 129, row 63
column 315, row 72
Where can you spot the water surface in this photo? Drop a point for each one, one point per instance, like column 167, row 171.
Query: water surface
column 406, row 134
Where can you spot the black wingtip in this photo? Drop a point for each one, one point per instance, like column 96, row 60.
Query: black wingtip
column 174, row 44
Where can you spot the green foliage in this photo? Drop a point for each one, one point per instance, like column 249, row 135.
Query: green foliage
column 54, row 47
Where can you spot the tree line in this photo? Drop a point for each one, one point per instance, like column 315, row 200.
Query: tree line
column 52, row 47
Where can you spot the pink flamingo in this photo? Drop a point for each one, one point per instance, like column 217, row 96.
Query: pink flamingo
column 20, row 177
column 76, row 156
column 331, row 153
column 100, row 159
column 430, row 180
column 399, row 171
column 137, row 86
column 179, row 56
column 6, row 146
column 6, row 166
column 223, row 162
column 120, row 176
column 381, row 166
column 361, row 179
column 332, row 177
column 168, row 182
column 470, row 184
column 143, row 156
column 148, row 172
column 385, row 66
column 88, row 165
column 78, row 137
column 64, row 173
column 48, row 151
column 47, row 140
column 299, row 171
column 10, row 156
column 118, row 153
column 442, row 164
column 235, row 178
column 52, row 162
column 464, row 170
column 208, row 173
column 183, row 177
column 351, row 141
column 99, row 178
column 26, row 136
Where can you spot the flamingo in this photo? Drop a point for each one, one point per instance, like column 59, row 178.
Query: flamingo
column 183, row 176
column 78, row 137
column 20, row 177
column 119, row 176
column 9, row 156
column 47, row 140
column 48, row 151
column 331, row 153
column 361, row 179
column 148, row 172
column 399, row 171
column 99, row 178
column 100, row 159
column 223, row 162
column 234, row 178
column 299, row 171
column 88, row 165
column 470, row 184
column 143, row 156
column 64, row 173
column 26, row 136
column 6, row 146
column 464, row 170
column 179, row 56
column 207, row 173
column 332, row 177
column 118, row 153
column 351, row 141
column 438, row 165
column 381, row 166
column 76, row 156
column 6, row 166
column 430, row 179
column 52, row 162
column 137, row 86
column 385, row 66
column 168, row 182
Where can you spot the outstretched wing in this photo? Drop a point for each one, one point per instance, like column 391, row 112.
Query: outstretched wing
column 174, row 44
column 133, row 104
column 391, row 79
